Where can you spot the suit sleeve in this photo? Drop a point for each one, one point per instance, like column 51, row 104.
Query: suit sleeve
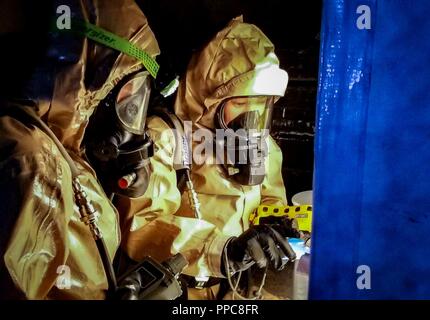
column 33, row 209
column 273, row 188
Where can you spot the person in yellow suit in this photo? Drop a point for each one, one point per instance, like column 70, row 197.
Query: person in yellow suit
column 231, row 84
column 47, row 238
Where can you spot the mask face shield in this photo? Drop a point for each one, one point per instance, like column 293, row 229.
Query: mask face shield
column 247, row 121
column 247, row 114
column 131, row 103
column 116, row 143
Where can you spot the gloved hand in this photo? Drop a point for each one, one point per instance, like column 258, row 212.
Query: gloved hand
column 285, row 226
column 260, row 244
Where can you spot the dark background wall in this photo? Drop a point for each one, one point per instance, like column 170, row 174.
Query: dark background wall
column 182, row 27
column 293, row 26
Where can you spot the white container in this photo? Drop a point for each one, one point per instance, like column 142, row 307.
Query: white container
column 301, row 267
column 302, row 198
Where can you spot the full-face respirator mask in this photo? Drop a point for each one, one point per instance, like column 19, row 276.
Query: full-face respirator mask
column 116, row 143
column 246, row 121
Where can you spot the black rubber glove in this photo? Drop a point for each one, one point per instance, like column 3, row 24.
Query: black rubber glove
column 285, row 226
column 260, row 244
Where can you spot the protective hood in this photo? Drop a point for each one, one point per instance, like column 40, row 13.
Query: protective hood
column 79, row 87
column 239, row 61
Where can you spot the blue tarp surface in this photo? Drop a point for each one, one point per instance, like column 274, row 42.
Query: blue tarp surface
column 372, row 152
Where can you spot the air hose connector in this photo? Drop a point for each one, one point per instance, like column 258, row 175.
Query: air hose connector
column 89, row 214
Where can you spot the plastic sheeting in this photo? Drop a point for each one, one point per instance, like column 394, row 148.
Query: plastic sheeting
column 372, row 153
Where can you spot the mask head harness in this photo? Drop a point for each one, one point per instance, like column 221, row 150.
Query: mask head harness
column 246, row 124
column 115, row 141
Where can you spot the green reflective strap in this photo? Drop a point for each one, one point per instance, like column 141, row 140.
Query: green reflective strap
column 115, row 42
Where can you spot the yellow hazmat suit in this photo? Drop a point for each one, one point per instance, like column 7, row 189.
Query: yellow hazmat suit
column 239, row 61
column 36, row 179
